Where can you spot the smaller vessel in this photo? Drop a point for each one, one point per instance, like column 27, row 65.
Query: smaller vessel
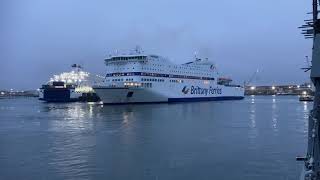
column 306, row 97
column 68, row 87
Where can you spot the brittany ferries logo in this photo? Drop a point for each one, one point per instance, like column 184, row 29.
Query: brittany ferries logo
column 185, row 90
column 202, row 91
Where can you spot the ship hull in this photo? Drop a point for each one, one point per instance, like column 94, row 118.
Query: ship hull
column 133, row 95
column 58, row 95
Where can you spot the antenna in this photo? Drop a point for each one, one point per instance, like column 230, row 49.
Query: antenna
column 315, row 10
column 195, row 56
column 308, row 68
column 308, row 29
column 138, row 49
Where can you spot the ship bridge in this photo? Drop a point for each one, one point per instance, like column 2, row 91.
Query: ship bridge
column 125, row 58
column 201, row 62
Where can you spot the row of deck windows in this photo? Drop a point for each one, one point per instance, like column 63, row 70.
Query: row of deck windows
column 147, row 85
column 153, row 80
column 129, row 58
column 118, row 80
column 176, row 81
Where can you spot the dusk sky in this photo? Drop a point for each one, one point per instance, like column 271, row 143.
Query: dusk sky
column 39, row 38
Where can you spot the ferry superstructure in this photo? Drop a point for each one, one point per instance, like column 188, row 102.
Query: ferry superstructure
column 146, row 78
column 67, row 87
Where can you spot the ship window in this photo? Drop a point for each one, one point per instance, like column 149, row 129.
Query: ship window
column 130, row 94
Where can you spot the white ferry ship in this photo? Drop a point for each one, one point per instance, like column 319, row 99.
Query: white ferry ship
column 144, row 78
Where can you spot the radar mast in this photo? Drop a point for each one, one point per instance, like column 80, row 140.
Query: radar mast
column 311, row 30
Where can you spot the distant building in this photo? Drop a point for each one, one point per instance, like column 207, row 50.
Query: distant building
column 279, row 90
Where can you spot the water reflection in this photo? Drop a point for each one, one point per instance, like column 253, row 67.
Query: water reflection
column 166, row 141
column 252, row 113
column 305, row 106
column 274, row 114
column 306, row 111
column 252, row 99
column 71, row 142
column 253, row 130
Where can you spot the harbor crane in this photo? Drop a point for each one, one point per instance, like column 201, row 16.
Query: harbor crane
column 253, row 76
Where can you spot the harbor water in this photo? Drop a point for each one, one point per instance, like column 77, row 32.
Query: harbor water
column 255, row 138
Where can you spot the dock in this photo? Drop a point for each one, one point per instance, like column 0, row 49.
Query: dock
column 279, row 90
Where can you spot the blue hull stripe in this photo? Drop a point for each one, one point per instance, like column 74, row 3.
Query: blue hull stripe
column 221, row 98
column 172, row 100
column 110, row 88
column 124, row 103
